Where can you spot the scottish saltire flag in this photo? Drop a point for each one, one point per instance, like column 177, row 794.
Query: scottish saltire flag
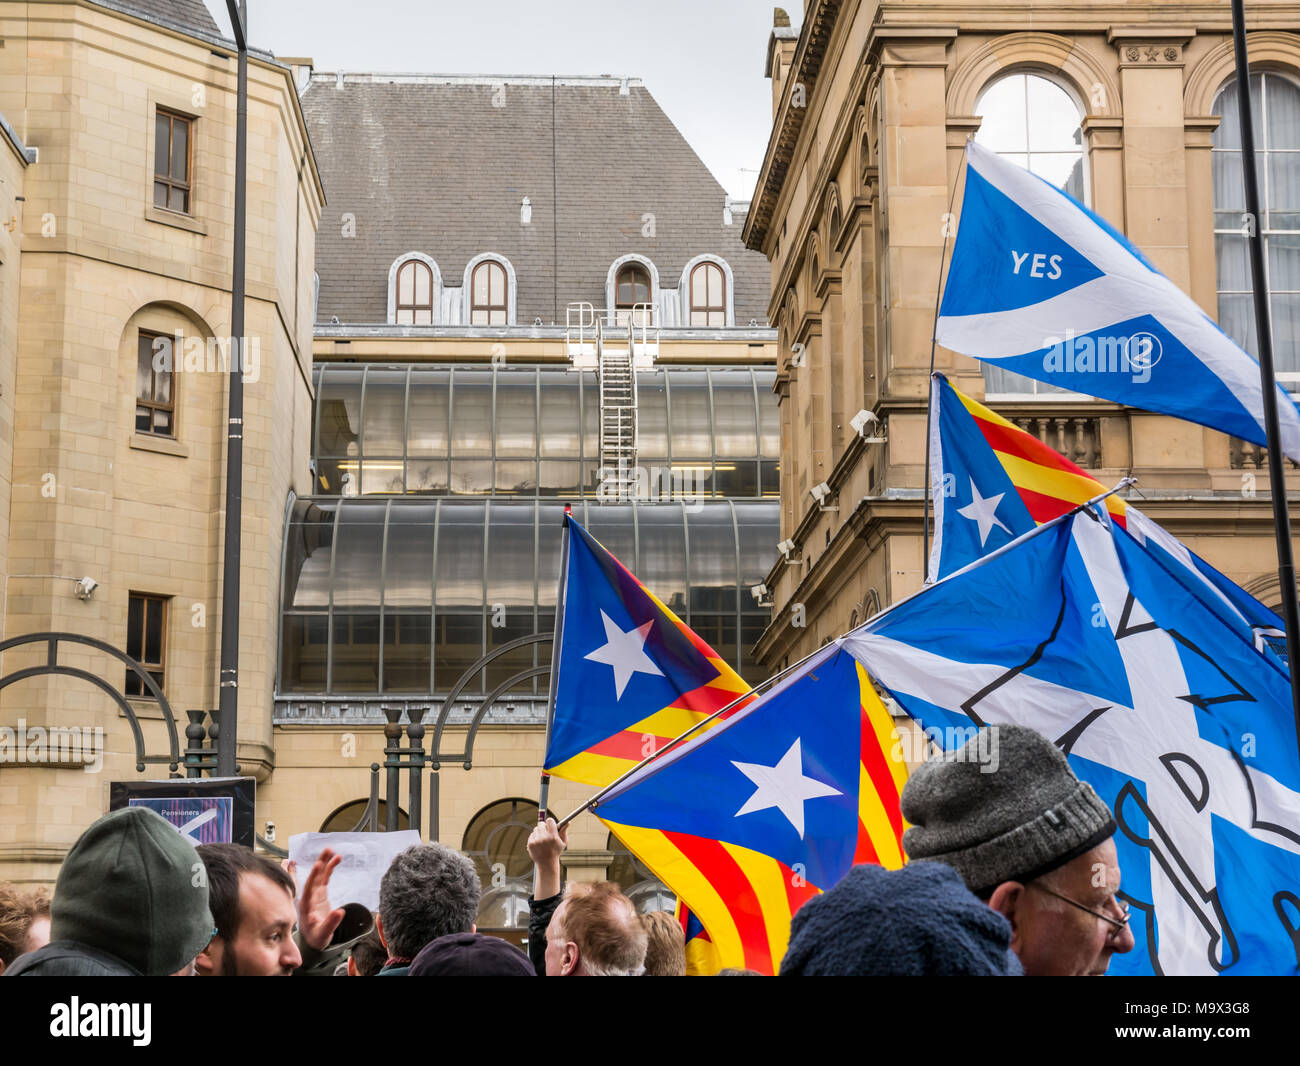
column 1181, row 726
column 1041, row 286
column 751, row 819
column 632, row 675
column 991, row 481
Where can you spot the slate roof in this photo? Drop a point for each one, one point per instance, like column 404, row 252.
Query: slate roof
column 429, row 164
column 190, row 16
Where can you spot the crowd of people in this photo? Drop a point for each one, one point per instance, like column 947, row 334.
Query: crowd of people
column 1013, row 871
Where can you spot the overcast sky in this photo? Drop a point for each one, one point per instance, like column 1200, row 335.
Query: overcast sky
column 701, row 59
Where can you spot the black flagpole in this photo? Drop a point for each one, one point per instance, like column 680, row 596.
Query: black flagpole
column 1268, row 382
column 556, row 641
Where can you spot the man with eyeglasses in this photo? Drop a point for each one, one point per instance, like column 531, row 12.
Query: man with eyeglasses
column 1030, row 839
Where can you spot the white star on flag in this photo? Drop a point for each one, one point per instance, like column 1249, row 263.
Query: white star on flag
column 982, row 512
column 625, row 652
column 783, row 786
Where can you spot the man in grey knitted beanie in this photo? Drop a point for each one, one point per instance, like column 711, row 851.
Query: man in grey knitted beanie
column 1007, row 812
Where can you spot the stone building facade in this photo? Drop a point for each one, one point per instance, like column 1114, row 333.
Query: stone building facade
column 112, row 463
column 1124, row 105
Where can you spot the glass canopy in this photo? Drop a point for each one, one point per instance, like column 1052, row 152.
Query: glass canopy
column 534, row 431
column 400, row 595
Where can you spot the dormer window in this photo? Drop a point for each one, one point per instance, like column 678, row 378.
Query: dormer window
column 631, row 287
column 708, row 295
column 414, row 294
column 488, row 294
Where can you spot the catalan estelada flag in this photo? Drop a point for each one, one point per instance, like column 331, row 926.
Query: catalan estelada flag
column 773, row 805
column 632, row 676
column 992, row 481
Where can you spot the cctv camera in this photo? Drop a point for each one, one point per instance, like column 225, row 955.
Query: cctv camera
column 865, row 420
column 785, row 547
column 759, row 592
column 820, row 492
column 85, row 587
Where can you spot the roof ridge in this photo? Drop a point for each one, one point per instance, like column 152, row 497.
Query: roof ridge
column 416, row 78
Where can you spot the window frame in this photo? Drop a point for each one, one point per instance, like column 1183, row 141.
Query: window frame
column 1289, row 379
column 706, row 309
column 398, row 307
column 490, row 308
column 156, row 670
column 153, row 405
column 187, row 186
column 1039, row 391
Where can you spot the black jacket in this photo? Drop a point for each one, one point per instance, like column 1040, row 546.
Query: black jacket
column 539, row 917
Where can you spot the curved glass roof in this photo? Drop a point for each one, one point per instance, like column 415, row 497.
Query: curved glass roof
column 401, row 595
column 534, row 431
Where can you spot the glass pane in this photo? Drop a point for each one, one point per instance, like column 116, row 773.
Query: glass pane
column 1053, row 117
column 304, row 649
column 1283, row 262
column 1283, row 106
column 460, row 555
column 1002, row 106
column 497, row 291
column 1060, row 169
column 458, row 642
column 550, row 519
column 381, row 477
column 162, row 422
column 153, row 631
column 160, row 194
column 1233, row 263
column 356, row 653
column 611, row 525
column 1229, row 186
column 407, row 652
column 180, row 150
column 471, row 414
column 308, row 546
column 471, row 478
column 751, row 628
column 734, row 429
column 161, row 146
column 651, row 416
column 359, row 554
column 770, row 478
column 330, row 474
column 558, row 477
column 1237, row 320
column 712, row 559
column 758, row 525
column 716, row 286
column 178, row 200
column 406, row 284
column 699, row 287
column 559, row 436
column 162, row 386
column 143, row 420
column 590, row 416
column 516, row 477
column 135, row 627
column 516, row 413
column 504, row 626
column 144, row 366
column 510, row 569
column 427, row 432
column 688, row 402
column 1283, row 189
column 480, row 285
column 735, row 478
column 385, row 410
column 769, row 415
column 408, row 578
column 423, row 285
column 426, row 476
column 661, row 563
column 1286, row 332
column 339, row 400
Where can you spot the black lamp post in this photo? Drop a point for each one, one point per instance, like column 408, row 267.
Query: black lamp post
column 228, row 693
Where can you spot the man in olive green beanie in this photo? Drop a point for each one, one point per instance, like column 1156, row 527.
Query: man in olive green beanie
column 1007, row 813
column 131, row 900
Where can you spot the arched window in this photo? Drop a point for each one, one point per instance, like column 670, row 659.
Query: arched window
column 708, row 288
column 1032, row 121
column 495, row 840
column 489, row 290
column 1276, row 102
column 414, row 294
column 631, row 287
